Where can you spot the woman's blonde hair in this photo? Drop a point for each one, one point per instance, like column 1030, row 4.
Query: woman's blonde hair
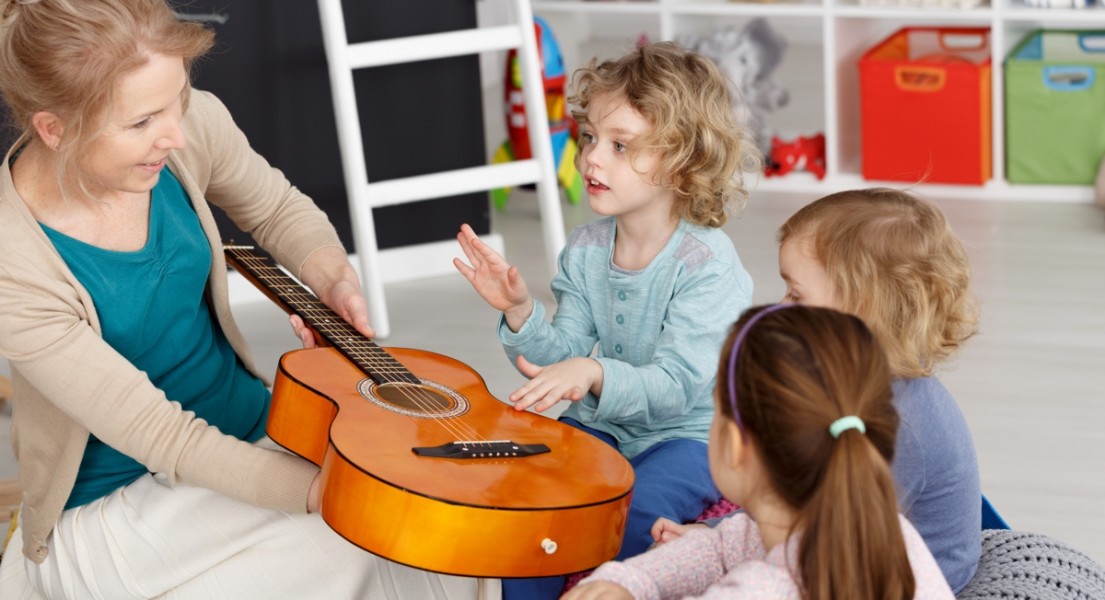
column 894, row 261
column 66, row 57
column 797, row 371
column 703, row 150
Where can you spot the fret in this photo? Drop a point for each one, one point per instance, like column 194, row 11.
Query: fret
column 297, row 299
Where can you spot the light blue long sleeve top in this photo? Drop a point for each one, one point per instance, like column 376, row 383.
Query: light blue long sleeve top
column 657, row 332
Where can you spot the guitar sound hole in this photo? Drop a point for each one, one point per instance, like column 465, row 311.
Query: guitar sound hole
column 429, row 400
column 418, row 398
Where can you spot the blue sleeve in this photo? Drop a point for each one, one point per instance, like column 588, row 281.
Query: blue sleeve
column 572, row 332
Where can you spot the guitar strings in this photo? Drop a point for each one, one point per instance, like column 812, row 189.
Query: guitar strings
column 349, row 340
column 358, row 348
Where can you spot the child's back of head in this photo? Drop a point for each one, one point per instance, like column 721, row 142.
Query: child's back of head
column 812, row 393
column 893, row 260
column 686, row 100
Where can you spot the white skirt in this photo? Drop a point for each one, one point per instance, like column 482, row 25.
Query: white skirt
column 151, row 539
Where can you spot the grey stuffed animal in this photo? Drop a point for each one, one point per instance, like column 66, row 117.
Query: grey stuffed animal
column 748, row 57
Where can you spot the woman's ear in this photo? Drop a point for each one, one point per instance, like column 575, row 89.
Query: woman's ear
column 49, row 128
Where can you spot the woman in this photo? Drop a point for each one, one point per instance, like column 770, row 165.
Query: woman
column 138, row 414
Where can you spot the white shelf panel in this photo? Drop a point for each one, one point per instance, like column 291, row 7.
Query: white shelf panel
column 753, row 9
column 574, row 7
column 928, row 15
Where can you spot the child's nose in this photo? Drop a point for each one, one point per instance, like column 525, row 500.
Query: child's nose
column 591, row 155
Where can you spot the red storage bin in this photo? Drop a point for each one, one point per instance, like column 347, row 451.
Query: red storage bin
column 925, row 106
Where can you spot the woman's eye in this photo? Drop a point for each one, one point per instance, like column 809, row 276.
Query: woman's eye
column 141, row 124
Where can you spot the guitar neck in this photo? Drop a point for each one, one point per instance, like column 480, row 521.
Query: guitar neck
column 294, row 298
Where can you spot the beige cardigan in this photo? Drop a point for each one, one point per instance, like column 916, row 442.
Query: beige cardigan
column 69, row 382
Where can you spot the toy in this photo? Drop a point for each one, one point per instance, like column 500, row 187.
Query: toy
column 748, row 57
column 562, row 129
column 802, row 153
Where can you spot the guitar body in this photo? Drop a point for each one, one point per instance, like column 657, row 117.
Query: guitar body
column 552, row 513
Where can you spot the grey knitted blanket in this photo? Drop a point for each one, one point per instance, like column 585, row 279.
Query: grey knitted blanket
column 1016, row 565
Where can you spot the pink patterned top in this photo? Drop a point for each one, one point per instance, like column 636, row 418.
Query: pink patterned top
column 728, row 561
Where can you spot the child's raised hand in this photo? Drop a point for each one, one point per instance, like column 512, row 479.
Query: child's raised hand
column 666, row 530
column 496, row 280
column 566, row 380
column 598, row 590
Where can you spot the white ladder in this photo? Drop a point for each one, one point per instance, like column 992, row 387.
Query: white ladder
column 343, row 57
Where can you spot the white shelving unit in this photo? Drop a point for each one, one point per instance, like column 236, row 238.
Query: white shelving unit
column 826, row 39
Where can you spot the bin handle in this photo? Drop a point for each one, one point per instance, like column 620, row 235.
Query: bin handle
column 1068, row 79
column 919, row 78
column 962, row 40
column 1092, row 41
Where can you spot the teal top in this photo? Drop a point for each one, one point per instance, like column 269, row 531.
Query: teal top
column 154, row 312
column 657, row 332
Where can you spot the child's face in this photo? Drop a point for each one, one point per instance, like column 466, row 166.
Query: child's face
column 614, row 187
column 806, row 279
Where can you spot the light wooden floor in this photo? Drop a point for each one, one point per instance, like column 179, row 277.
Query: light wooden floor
column 1031, row 384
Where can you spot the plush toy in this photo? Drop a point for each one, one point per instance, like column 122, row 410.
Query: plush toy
column 748, row 57
column 802, row 153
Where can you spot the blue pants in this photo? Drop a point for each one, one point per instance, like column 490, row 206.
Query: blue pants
column 672, row 480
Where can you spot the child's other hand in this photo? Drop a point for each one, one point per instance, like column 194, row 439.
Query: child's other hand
column 666, row 530
column 566, row 380
column 598, row 590
column 496, row 280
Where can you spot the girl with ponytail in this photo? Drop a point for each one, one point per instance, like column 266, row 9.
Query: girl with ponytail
column 802, row 437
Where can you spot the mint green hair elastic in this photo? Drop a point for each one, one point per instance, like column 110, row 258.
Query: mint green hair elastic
column 843, row 424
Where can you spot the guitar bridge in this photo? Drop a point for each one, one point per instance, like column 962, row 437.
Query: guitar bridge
column 476, row 449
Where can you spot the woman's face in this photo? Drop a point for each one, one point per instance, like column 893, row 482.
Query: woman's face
column 139, row 130
column 806, row 279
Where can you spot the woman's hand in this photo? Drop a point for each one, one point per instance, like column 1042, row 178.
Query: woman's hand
column 328, row 273
column 598, row 590
column 566, row 380
column 497, row 281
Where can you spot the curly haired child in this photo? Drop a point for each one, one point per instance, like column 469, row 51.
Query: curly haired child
column 643, row 294
column 803, row 434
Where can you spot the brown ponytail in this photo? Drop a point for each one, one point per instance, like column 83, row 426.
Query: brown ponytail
column 797, row 371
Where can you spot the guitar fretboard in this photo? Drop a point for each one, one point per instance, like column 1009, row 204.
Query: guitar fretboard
column 293, row 297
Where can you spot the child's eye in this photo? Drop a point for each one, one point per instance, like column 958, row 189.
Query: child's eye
column 619, row 147
column 585, row 138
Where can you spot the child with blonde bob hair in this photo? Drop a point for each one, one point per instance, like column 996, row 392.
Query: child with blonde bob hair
column 803, row 431
column 643, row 293
column 893, row 260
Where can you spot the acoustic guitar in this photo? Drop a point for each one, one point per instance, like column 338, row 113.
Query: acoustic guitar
column 420, row 464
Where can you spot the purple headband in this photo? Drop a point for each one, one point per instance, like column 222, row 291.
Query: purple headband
column 733, row 357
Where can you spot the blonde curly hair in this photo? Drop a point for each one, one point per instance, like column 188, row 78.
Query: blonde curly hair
column 895, row 262
column 684, row 97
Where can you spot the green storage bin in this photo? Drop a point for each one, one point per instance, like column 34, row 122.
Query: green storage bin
column 1055, row 107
